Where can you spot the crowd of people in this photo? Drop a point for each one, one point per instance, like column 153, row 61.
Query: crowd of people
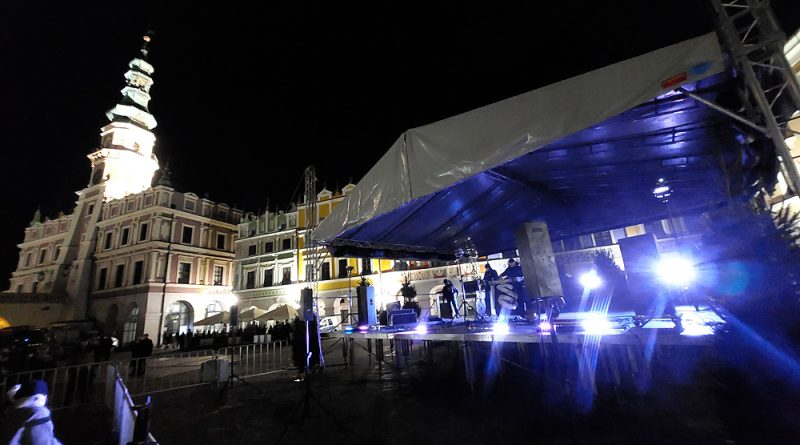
column 281, row 331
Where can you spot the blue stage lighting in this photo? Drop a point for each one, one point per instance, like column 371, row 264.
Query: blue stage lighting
column 545, row 326
column 590, row 280
column 596, row 323
column 677, row 271
column 421, row 329
column 501, row 328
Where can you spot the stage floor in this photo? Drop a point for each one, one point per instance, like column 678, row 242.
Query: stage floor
column 698, row 328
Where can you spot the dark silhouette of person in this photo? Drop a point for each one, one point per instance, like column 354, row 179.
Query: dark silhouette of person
column 514, row 273
column 489, row 276
column 449, row 294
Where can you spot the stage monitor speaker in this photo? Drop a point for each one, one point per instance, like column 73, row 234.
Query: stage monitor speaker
column 445, row 310
column 307, row 304
column 366, row 305
column 402, row 316
column 537, row 260
column 639, row 254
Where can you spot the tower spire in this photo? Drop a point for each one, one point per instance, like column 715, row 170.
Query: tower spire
column 125, row 162
column 136, row 94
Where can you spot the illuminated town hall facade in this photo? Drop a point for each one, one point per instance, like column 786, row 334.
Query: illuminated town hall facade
column 134, row 254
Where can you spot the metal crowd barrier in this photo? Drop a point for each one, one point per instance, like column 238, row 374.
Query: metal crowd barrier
column 77, row 385
column 174, row 371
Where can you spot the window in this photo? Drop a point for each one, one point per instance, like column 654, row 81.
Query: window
column 179, row 318
column 42, row 254
column 107, row 243
column 269, row 247
column 56, row 252
column 130, row 327
column 143, row 231
column 217, row 275
column 287, row 275
column 186, row 238
column 19, row 288
column 603, row 239
column 138, row 267
column 251, row 280
column 366, row 267
column 251, row 250
column 27, row 260
column 184, row 270
column 125, row 233
column 326, row 271
column 268, row 278
column 586, row 241
column 287, row 244
column 90, row 209
column 102, row 276
column 571, row 243
column 342, row 268
column 119, row 275
column 221, row 241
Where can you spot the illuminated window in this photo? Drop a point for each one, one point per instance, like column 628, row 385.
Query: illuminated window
column 218, row 275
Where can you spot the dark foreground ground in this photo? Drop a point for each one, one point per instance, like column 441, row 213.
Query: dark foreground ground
column 684, row 400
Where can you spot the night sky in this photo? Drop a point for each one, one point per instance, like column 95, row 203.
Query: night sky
column 247, row 96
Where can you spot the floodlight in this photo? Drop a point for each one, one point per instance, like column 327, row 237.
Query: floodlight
column 421, row 329
column 501, row 328
column 596, row 323
column 545, row 326
column 676, row 271
column 590, row 280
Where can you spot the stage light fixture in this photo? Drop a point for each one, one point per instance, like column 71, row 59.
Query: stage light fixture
column 363, row 327
column 349, row 329
column 545, row 326
column 421, row 329
column 501, row 328
column 596, row 323
column 590, row 280
column 676, row 271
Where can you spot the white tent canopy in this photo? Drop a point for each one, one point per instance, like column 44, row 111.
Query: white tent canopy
column 431, row 158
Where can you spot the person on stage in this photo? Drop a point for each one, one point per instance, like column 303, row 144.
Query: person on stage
column 448, row 293
column 514, row 273
column 490, row 278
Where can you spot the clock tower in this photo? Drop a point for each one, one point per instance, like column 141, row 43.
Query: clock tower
column 125, row 162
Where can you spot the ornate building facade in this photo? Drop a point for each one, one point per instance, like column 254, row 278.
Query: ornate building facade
column 134, row 256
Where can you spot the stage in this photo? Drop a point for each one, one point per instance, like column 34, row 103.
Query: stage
column 698, row 328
